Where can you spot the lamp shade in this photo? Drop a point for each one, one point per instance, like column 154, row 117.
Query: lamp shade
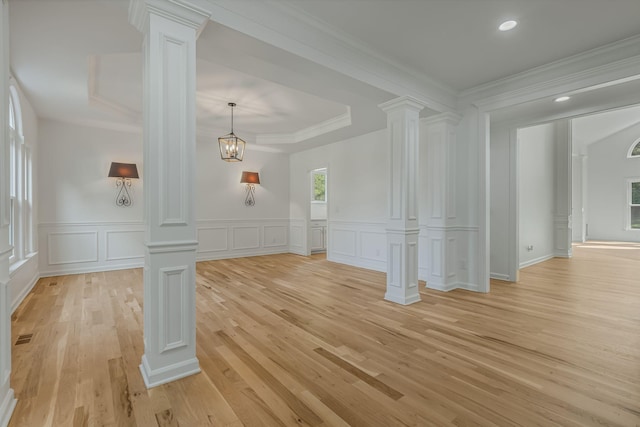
column 123, row 170
column 250, row 178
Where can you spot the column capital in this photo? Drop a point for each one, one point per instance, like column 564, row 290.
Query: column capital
column 179, row 11
column 403, row 102
column 451, row 119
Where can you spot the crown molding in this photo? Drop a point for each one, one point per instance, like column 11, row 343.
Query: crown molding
column 402, row 102
column 180, row 11
column 596, row 78
column 96, row 99
column 334, row 123
column 608, row 63
column 449, row 118
column 288, row 28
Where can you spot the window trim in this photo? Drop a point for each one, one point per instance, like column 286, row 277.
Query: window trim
column 629, row 205
column 633, row 146
column 20, row 191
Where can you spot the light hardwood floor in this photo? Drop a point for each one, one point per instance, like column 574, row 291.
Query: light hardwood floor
column 286, row 340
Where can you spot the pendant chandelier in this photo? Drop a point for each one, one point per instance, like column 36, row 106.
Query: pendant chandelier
column 231, row 147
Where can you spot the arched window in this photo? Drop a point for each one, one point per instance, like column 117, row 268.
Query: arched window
column 20, row 184
column 634, row 150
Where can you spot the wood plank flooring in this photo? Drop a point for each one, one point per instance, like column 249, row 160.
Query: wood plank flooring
column 285, row 340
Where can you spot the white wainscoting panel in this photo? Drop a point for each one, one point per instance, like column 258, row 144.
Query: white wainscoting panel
column 72, row 247
column 68, row 248
column 124, row 245
column 88, row 247
column 212, row 239
column 373, row 244
column 344, row 241
column 274, row 235
column 245, row 237
column 219, row 239
column 298, row 237
column 361, row 244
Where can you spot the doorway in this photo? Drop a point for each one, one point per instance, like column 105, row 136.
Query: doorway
column 318, row 211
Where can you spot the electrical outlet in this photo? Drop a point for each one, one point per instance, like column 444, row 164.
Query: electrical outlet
column 530, row 248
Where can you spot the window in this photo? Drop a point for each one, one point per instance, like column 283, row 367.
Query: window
column 20, row 183
column 319, row 194
column 12, row 178
column 634, row 204
column 634, row 151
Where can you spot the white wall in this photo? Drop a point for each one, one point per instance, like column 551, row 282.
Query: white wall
column 81, row 228
column 536, row 149
column 608, row 170
column 226, row 227
column 358, row 180
column 74, row 187
column 220, row 195
column 357, row 199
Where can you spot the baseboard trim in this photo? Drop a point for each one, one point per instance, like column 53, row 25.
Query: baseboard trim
column 442, row 287
column 457, row 285
column 96, row 269
column 358, row 262
column 469, row 287
column 402, row 300
column 156, row 377
column 536, row 261
column 23, row 294
column 500, row 276
column 7, row 407
column 208, row 256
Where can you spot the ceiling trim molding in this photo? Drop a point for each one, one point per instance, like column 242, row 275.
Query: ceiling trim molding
column 97, row 100
column 275, row 138
column 353, row 43
column 533, row 120
column 450, row 118
column 334, row 123
column 404, row 102
column 596, row 66
column 298, row 33
column 180, row 11
column 596, row 78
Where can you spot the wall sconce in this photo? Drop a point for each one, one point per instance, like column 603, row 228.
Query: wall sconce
column 124, row 172
column 251, row 179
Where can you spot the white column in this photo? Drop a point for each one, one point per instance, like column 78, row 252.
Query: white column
column 170, row 31
column 563, row 219
column 442, row 239
column 7, row 399
column 402, row 226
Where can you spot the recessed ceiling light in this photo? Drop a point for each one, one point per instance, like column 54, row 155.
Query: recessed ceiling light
column 508, row 25
column 562, row 98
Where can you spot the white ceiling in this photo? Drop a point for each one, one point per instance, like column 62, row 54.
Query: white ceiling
column 458, row 43
column 79, row 60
